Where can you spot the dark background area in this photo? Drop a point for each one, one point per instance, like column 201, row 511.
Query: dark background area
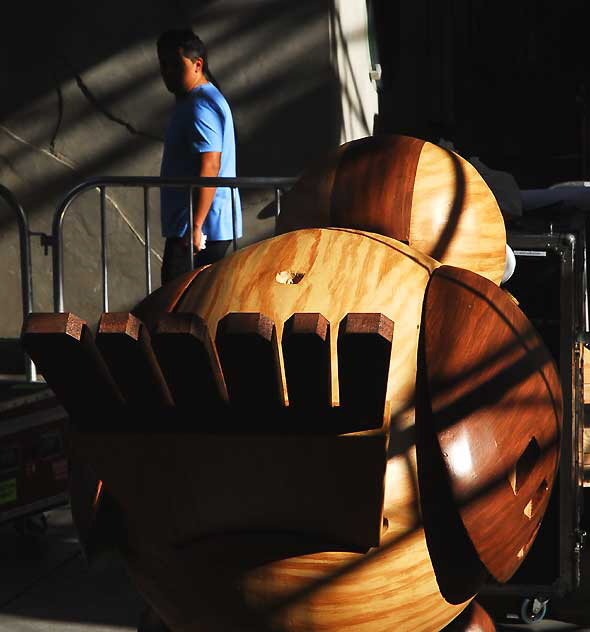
column 505, row 81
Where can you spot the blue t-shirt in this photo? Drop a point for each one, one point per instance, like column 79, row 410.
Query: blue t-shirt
column 201, row 122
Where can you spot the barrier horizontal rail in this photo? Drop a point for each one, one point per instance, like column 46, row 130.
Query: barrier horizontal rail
column 146, row 183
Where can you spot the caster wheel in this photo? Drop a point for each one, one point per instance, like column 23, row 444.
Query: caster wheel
column 32, row 526
column 533, row 610
column 32, row 543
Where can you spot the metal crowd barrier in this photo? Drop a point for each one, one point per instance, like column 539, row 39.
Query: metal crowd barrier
column 25, row 265
column 145, row 183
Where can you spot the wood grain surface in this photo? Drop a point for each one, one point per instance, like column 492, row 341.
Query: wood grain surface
column 281, row 582
column 455, row 217
column 408, row 189
column 496, row 406
column 374, row 184
column 340, row 270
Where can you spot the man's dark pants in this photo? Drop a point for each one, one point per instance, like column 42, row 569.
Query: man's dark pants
column 175, row 261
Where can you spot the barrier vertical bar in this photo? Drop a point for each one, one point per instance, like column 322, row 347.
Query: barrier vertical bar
column 145, row 181
column 277, row 206
column 148, row 239
column 103, row 244
column 190, row 229
column 25, row 268
column 58, row 266
column 233, row 217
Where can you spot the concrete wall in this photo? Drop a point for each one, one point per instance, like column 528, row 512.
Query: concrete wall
column 352, row 64
column 82, row 97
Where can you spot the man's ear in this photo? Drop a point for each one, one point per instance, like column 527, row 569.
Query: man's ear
column 199, row 64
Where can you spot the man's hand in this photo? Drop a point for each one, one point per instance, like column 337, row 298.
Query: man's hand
column 210, row 164
column 197, row 238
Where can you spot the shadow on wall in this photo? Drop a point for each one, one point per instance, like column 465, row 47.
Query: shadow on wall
column 97, row 106
column 85, row 99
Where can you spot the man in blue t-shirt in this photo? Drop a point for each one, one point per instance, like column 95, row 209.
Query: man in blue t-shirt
column 200, row 141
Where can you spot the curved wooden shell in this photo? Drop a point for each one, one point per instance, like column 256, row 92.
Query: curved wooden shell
column 407, row 189
column 495, row 401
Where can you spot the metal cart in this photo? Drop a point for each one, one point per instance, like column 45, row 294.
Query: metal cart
column 550, row 284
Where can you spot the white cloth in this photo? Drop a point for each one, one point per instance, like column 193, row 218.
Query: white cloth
column 510, row 264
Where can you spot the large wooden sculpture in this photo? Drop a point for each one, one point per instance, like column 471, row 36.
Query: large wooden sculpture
column 328, row 430
column 406, row 188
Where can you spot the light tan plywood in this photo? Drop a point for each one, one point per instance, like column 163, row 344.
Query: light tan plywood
column 455, row 217
column 390, row 588
column 389, row 278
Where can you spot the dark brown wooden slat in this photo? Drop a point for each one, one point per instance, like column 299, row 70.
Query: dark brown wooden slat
column 306, row 355
column 189, row 362
column 125, row 344
column 364, row 354
column 248, row 350
column 62, row 347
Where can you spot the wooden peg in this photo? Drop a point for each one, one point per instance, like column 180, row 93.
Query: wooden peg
column 248, row 350
column 125, row 344
column 189, row 361
column 306, row 354
column 364, row 354
column 62, row 347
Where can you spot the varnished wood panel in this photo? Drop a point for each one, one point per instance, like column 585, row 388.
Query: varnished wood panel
column 209, row 484
column 496, row 408
column 374, row 183
column 125, row 345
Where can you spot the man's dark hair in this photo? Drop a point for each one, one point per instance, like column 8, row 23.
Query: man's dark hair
column 190, row 45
